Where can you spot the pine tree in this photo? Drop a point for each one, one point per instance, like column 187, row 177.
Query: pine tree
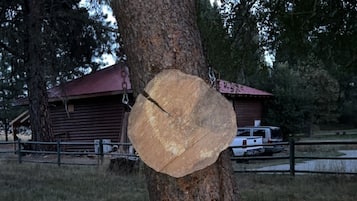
column 46, row 42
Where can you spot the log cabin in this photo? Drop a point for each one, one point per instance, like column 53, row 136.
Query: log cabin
column 91, row 108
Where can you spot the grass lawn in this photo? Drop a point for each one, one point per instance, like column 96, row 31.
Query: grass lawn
column 343, row 134
column 257, row 187
column 44, row 182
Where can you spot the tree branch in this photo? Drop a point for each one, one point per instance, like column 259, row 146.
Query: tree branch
column 10, row 50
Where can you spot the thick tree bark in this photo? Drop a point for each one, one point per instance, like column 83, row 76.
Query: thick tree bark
column 215, row 182
column 159, row 35
column 35, row 72
column 163, row 34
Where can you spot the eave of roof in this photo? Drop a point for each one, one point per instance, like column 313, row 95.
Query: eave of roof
column 108, row 81
column 234, row 89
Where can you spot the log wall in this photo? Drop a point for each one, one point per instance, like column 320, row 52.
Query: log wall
column 87, row 120
column 248, row 110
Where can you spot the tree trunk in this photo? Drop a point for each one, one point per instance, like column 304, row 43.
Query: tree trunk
column 216, row 182
column 163, row 34
column 35, row 72
column 159, row 35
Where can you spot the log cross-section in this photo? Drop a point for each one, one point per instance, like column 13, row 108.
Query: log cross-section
column 180, row 124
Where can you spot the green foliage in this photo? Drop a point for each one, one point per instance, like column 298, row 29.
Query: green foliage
column 230, row 39
column 349, row 105
column 9, row 90
column 304, row 94
column 326, row 29
column 246, row 50
column 68, row 40
column 215, row 38
column 314, row 47
column 291, row 104
column 325, row 89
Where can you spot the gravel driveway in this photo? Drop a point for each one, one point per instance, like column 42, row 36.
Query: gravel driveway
column 322, row 164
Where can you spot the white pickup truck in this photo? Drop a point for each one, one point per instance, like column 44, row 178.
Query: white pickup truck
column 247, row 146
column 271, row 135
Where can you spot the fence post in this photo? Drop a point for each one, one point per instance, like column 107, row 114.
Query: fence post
column 101, row 152
column 19, row 150
column 292, row 156
column 58, row 152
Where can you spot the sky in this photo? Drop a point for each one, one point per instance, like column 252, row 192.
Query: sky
column 109, row 59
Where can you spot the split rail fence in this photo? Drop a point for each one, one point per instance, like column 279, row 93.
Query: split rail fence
column 292, row 157
column 58, row 155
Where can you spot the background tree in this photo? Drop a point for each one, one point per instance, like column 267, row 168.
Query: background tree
column 231, row 40
column 169, row 38
column 314, row 40
column 247, row 52
column 215, row 39
column 49, row 41
column 296, row 30
column 305, row 95
column 8, row 92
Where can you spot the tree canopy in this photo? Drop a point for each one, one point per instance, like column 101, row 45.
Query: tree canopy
column 44, row 42
column 70, row 37
column 314, row 41
column 313, row 48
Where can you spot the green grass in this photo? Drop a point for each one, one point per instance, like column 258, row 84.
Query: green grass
column 43, row 182
column 37, row 182
column 256, row 187
column 350, row 134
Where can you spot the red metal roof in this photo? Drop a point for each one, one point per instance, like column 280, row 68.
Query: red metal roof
column 226, row 87
column 102, row 82
column 110, row 80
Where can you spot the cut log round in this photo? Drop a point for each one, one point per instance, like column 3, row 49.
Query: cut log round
column 179, row 124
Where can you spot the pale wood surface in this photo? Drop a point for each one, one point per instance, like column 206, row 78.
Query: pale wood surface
column 180, row 124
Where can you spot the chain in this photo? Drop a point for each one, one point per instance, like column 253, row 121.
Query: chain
column 124, row 84
column 212, row 77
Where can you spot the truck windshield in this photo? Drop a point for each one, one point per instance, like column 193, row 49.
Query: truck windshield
column 259, row 132
column 276, row 133
column 243, row 132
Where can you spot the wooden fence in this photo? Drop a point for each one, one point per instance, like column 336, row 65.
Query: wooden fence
column 291, row 157
column 58, row 155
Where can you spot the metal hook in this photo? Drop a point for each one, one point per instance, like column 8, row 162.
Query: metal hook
column 212, row 76
column 125, row 100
